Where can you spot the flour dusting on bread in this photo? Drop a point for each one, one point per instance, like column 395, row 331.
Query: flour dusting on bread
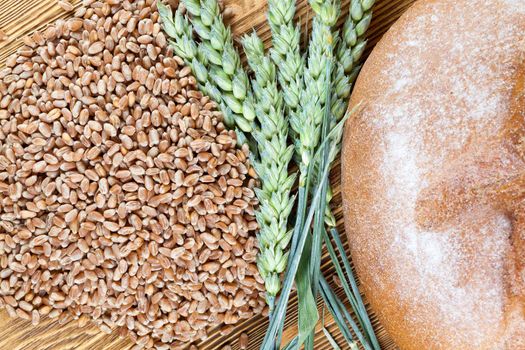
column 438, row 92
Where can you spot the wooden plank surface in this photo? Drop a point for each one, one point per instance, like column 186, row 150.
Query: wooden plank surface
column 21, row 17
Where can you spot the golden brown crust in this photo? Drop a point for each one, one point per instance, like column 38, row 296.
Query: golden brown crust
column 434, row 176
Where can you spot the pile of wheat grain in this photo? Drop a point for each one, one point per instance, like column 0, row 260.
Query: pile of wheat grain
column 123, row 199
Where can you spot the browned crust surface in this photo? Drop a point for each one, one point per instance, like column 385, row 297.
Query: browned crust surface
column 433, row 176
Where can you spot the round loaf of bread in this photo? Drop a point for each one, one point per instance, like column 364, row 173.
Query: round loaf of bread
column 434, row 176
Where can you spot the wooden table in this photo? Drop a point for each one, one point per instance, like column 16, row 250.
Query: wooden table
column 21, row 17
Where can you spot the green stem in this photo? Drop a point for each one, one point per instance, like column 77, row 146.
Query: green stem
column 337, row 309
column 359, row 308
column 313, row 259
column 315, row 263
column 277, row 319
column 350, row 292
column 302, row 198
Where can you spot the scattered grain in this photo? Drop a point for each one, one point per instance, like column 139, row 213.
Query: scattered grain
column 3, row 36
column 65, row 5
column 244, row 341
column 123, row 198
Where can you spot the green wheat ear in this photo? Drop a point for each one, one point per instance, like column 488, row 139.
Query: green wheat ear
column 349, row 50
column 215, row 62
column 274, row 196
column 306, row 124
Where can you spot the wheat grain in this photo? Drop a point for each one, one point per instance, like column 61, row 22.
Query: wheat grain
column 118, row 201
column 244, row 341
column 3, row 36
column 65, row 5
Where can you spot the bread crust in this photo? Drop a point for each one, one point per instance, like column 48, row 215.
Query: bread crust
column 434, row 176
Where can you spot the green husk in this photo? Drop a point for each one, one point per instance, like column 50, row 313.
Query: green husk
column 274, row 331
column 349, row 50
column 307, row 123
column 285, row 51
column 214, row 60
column 275, row 197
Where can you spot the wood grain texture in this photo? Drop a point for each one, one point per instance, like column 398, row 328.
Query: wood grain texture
column 21, row 17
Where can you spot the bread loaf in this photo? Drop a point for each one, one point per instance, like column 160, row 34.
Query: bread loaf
column 434, row 176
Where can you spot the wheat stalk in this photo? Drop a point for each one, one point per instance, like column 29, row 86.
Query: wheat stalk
column 275, row 197
column 214, row 60
column 221, row 71
column 286, row 52
column 311, row 126
column 180, row 33
column 307, row 123
column 349, row 50
column 299, row 93
column 352, row 45
column 271, row 137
